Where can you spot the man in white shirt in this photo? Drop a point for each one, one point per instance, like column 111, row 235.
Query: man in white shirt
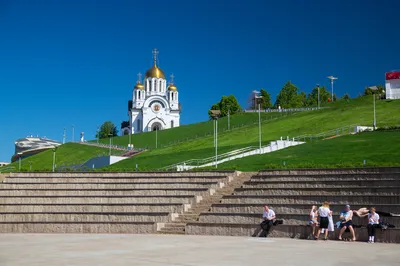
column 268, row 216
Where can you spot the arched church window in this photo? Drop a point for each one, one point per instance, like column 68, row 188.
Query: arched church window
column 172, row 123
column 138, row 125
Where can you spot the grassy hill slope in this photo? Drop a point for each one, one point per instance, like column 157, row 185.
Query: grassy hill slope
column 342, row 113
column 67, row 154
column 191, row 132
column 377, row 148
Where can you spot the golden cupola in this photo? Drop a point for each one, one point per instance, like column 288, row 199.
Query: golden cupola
column 155, row 71
column 172, row 86
column 139, row 85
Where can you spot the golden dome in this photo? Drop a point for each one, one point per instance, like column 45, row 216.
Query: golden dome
column 139, row 86
column 155, row 72
column 172, row 87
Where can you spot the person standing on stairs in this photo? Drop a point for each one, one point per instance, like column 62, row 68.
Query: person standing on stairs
column 268, row 216
column 323, row 212
column 373, row 222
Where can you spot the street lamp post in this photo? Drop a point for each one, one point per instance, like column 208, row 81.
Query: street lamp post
column 318, row 96
column 259, row 98
column 110, row 144
column 54, row 158
column 73, row 133
column 332, row 78
column 98, row 134
column 19, row 161
column 64, row 136
column 156, row 137
column 215, row 114
column 229, row 120
column 373, row 95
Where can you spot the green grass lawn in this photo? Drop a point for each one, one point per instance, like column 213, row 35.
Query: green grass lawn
column 67, row 154
column 191, row 132
column 342, row 113
column 376, row 148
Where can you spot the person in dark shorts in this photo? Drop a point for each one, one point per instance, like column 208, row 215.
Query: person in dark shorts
column 346, row 221
column 323, row 212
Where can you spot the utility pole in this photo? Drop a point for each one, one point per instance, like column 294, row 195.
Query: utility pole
column 318, row 96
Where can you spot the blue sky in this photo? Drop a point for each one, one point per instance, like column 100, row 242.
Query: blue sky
column 76, row 62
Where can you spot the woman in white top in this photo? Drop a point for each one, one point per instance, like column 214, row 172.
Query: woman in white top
column 373, row 222
column 324, row 212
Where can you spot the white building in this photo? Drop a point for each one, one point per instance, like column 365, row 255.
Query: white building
column 154, row 105
column 392, row 85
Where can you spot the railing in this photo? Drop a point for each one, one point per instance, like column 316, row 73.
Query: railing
column 331, row 133
column 7, row 169
column 209, row 159
column 334, row 132
column 283, row 110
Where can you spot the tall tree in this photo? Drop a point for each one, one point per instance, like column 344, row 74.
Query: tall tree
column 266, row 99
column 324, row 95
column 106, row 129
column 227, row 103
column 371, row 90
column 288, row 97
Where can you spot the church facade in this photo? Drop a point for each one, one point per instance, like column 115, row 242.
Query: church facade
column 154, row 105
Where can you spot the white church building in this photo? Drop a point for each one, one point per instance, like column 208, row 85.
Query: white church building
column 154, row 105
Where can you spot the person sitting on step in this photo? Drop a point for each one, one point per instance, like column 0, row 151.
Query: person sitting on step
column 268, row 216
column 346, row 218
column 362, row 212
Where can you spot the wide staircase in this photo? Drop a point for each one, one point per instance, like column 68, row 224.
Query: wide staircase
column 102, row 202
column 292, row 193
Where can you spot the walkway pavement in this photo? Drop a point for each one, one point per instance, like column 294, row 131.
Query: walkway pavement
column 115, row 250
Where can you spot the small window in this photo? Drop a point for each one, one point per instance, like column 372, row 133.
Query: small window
column 172, row 123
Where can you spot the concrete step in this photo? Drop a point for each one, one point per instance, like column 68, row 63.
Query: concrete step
column 337, row 178
column 391, row 235
column 312, row 199
column 125, row 186
column 47, row 227
column 365, row 191
column 104, row 207
column 103, row 192
column 292, row 208
column 331, row 171
column 116, row 179
column 85, row 199
column 84, row 217
column 288, row 218
column 177, row 232
column 320, row 184
column 174, row 225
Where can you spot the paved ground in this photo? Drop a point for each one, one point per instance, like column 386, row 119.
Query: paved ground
column 114, row 250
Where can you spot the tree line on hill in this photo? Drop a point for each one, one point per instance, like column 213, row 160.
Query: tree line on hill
column 289, row 96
